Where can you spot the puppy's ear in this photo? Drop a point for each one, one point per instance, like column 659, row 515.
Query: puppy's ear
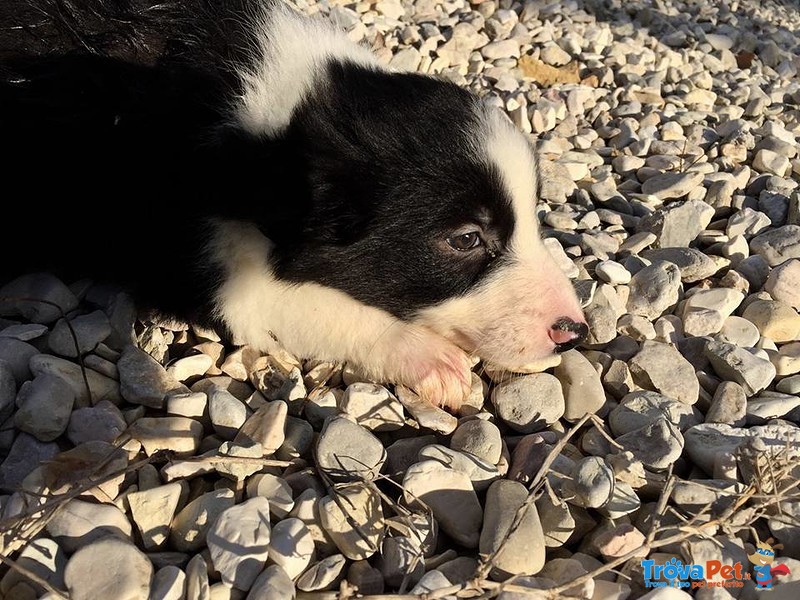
column 288, row 59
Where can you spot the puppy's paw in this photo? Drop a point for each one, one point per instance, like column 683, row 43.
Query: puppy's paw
column 436, row 369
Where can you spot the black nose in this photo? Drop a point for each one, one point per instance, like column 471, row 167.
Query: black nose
column 567, row 333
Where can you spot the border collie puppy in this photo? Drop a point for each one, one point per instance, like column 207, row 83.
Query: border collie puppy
column 260, row 173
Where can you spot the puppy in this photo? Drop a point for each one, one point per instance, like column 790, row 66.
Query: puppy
column 275, row 181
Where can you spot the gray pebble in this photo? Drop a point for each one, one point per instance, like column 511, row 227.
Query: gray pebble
column 524, row 550
column 44, row 407
column 637, row 409
column 661, row 368
column 529, row 403
column 347, row 451
column 657, row 445
column 654, row 290
column 89, row 330
column 23, row 292
column 479, row 438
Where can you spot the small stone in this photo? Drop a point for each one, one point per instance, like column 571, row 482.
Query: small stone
column 24, row 332
column 728, row 405
column 552, row 54
column 580, row 384
column 639, row 408
column 238, row 542
column 657, row 445
column 90, row 330
column 365, row 577
column 168, row 584
column 45, row 405
column 426, row 414
column 142, row 380
column 275, row 490
column 451, row 497
column 152, row 511
column 176, row 434
column 125, row 573
column 612, row 272
column 25, row 454
column 372, row 406
column 291, row 546
column 679, row 223
column 739, row 332
column 479, row 438
column 480, row 472
column 17, row 356
column 278, row 380
column 789, row 385
column 80, row 523
column 767, row 161
column 778, row 245
column 103, row 422
column 191, row 525
column 502, row 49
column 20, row 295
column 737, row 364
column 356, row 503
column 227, row 413
column 783, row 283
column 708, row 443
column 775, row 320
column 324, row 575
column 100, row 387
column 266, row 427
column 565, row 570
column 197, row 579
column 523, row 552
column 773, row 406
column 654, row 290
column 661, row 368
column 722, row 300
column 530, row 402
column 672, row 185
column 346, row 450
column 407, row 59
column 190, row 366
column 620, row 540
column 592, row 483
column 273, row 582
column 400, row 559
column 187, row 404
column 430, row 582
column 693, row 264
column 557, row 521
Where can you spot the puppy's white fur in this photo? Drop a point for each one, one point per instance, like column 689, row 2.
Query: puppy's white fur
column 289, row 56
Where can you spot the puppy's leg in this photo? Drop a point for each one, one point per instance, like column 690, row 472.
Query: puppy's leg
column 314, row 321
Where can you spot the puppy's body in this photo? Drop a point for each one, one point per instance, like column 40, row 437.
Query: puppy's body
column 294, row 193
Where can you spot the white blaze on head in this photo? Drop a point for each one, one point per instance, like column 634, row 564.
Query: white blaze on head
column 507, row 318
column 289, row 55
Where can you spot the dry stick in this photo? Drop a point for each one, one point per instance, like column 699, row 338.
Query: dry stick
column 71, row 333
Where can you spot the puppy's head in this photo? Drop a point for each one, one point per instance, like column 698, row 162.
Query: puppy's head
column 420, row 201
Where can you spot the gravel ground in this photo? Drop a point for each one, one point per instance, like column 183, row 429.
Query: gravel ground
column 174, row 467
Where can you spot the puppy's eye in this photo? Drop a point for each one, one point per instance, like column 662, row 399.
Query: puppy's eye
column 465, row 241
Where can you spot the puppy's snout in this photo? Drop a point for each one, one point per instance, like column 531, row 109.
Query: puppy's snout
column 567, row 333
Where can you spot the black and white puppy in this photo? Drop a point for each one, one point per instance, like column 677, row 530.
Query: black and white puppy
column 294, row 193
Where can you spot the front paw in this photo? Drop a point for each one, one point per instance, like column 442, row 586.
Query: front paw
column 436, row 369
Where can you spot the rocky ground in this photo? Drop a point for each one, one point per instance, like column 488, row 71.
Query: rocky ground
column 147, row 460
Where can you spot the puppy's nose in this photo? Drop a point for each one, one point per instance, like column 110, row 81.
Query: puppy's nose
column 567, row 333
